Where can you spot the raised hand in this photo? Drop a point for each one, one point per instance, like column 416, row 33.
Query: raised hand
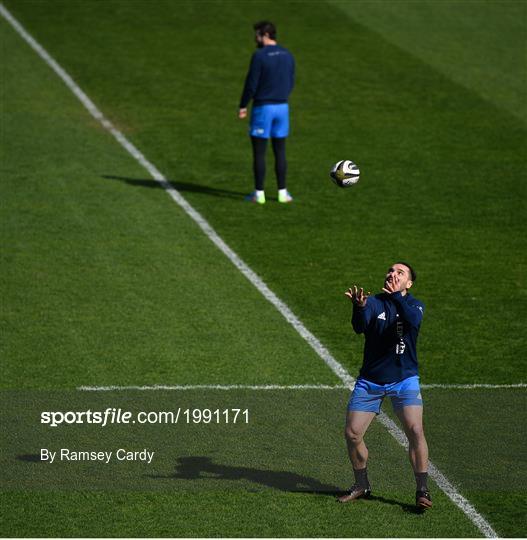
column 394, row 285
column 357, row 296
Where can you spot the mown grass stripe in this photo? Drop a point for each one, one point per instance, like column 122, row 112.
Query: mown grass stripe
column 335, row 366
column 176, row 196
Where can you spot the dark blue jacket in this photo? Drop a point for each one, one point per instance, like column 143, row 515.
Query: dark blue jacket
column 271, row 76
column 390, row 323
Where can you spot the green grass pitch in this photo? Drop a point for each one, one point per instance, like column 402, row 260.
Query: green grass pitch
column 105, row 281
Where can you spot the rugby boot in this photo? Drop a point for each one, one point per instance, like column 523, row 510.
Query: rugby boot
column 355, row 492
column 423, row 500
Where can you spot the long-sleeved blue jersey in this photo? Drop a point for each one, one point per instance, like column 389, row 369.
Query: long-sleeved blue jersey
column 390, row 324
column 271, row 76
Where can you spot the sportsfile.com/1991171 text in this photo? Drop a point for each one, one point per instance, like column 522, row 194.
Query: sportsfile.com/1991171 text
column 119, row 416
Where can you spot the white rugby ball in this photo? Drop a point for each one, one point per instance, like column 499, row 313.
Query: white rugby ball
column 345, row 173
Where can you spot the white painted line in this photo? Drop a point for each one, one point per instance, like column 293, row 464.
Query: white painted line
column 443, row 483
column 117, row 388
column 474, row 386
column 214, row 387
column 269, row 295
column 335, row 366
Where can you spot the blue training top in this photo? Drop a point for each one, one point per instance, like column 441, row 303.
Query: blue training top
column 390, row 323
column 271, row 76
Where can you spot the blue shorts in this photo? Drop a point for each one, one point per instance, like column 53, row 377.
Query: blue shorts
column 368, row 396
column 270, row 120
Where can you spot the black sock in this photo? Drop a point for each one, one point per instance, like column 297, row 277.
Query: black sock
column 421, row 479
column 259, row 147
column 361, row 477
column 280, row 163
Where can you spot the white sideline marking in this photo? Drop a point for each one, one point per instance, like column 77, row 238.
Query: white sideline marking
column 215, row 387
column 269, row 295
column 442, row 481
column 118, row 388
column 474, row 386
column 335, row 366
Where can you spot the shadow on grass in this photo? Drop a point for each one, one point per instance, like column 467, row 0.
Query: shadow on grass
column 201, row 467
column 31, row 458
column 180, row 186
column 408, row 508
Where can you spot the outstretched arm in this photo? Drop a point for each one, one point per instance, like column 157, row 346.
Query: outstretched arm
column 362, row 311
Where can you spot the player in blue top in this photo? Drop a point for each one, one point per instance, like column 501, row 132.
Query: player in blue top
column 268, row 83
column 390, row 322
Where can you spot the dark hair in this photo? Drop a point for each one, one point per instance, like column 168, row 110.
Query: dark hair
column 265, row 27
column 412, row 271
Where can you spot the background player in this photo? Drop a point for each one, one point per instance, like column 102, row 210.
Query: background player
column 268, row 83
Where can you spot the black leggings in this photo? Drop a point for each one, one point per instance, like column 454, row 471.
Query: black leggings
column 280, row 163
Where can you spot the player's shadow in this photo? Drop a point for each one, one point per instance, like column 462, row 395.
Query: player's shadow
column 200, row 467
column 408, row 508
column 31, row 458
column 180, row 186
